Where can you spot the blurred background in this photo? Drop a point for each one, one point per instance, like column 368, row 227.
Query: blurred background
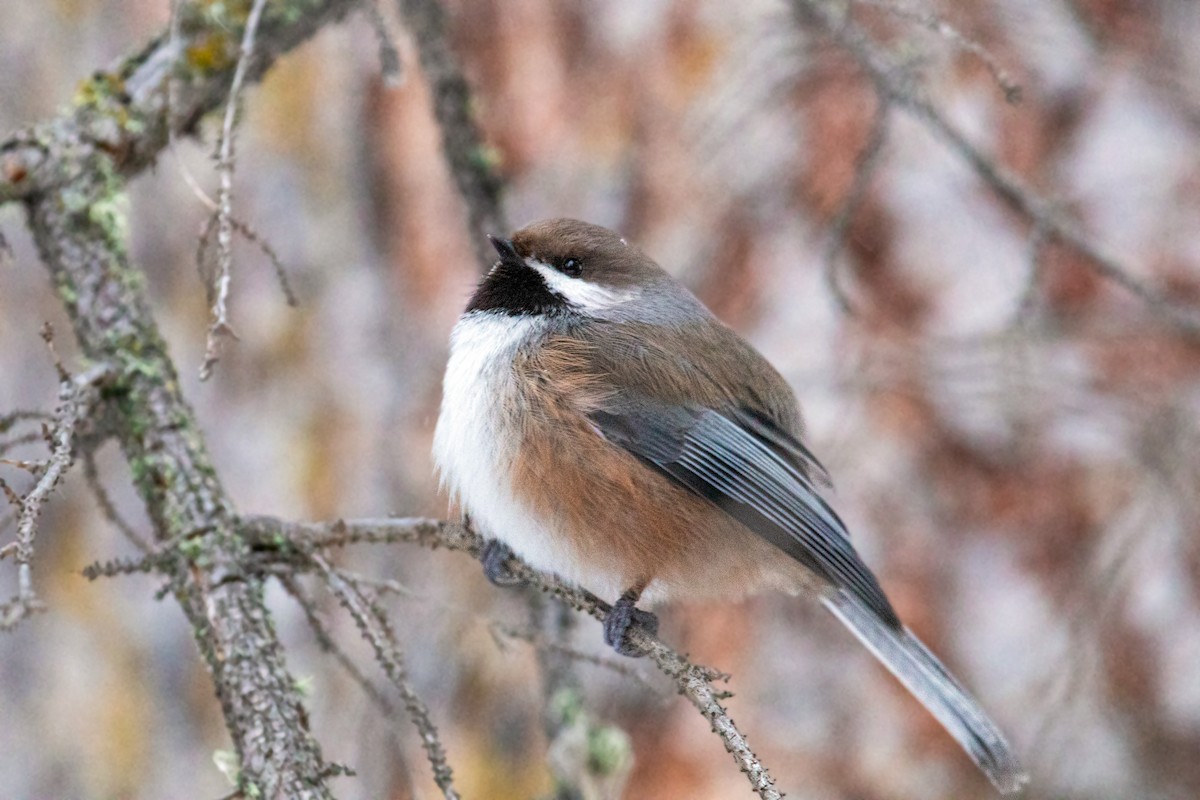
column 1014, row 439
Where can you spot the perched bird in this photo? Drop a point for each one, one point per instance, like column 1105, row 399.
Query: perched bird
column 599, row 421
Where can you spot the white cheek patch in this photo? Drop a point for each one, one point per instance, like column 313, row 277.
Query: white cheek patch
column 584, row 294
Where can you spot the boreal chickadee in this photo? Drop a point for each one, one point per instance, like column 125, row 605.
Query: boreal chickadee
column 600, row 422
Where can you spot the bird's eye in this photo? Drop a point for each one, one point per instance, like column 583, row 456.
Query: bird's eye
column 572, row 267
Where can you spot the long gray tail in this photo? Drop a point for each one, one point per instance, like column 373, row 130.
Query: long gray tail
column 930, row 682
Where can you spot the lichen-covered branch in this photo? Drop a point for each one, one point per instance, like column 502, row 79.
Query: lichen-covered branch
column 293, row 543
column 124, row 111
column 70, row 175
column 471, row 161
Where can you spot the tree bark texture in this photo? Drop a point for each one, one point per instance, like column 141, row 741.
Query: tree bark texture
column 70, row 174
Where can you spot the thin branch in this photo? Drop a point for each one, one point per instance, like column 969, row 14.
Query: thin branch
column 294, row 543
column 936, row 24
column 107, row 507
column 329, row 645
column 7, row 421
column 898, row 86
column 389, row 56
column 76, row 398
column 17, row 441
column 503, row 631
column 250, row 234
column 220, row 328
column 374, row 626
column 1027, row 302
column 244, row 228
column 865, row 166
column 378, row 585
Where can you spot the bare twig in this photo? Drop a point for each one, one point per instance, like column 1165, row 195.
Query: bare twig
column 113, row 567
column 376, row 629
column 293, row 542
column 252, row 235
column 220, row 328
column 329, row 645
column 239, row 225
column 76, row 397
column 17, row 441
column 503, row 631
column 936, row 24
column 898, row 86
column 7, row 421
column 865, row 165
column 379, row 585
column 107, row 507
column 1027, row 302
column 389, row 56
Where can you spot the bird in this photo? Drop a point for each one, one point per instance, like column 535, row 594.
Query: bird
column 599, row 422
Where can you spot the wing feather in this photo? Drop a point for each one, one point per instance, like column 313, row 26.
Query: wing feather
column 754, row 472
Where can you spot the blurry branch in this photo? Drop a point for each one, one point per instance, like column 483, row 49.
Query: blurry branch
column 865, row 166
column 69, row 173
column 17, row 441
column 219, row 329
column 77, row 396
column 1028, row 302
column 502, row 631
column 299, row 546
column 107, row 507
column 7, row 421
column 936, row 24
column 897, row 86
column 472, row 162
column 389, row 57
column 251, row 235
column 580, row 768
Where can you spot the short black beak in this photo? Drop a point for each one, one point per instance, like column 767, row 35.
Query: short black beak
column 504, row 247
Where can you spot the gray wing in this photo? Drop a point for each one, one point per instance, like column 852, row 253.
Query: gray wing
column 756, row 473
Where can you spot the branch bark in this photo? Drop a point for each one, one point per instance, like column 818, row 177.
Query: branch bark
column 70, row 175
column 471, row 161
column 281, row 542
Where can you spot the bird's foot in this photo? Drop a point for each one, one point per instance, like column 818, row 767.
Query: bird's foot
column 494, row 556
column 620, row 622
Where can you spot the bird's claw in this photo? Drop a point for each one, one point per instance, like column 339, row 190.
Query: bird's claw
column 494, row 557
column 621, row 620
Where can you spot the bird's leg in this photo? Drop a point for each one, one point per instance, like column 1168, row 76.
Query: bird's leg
column 494, row 554
column 623, row 616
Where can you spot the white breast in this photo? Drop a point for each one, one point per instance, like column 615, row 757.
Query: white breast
column 477, row 431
